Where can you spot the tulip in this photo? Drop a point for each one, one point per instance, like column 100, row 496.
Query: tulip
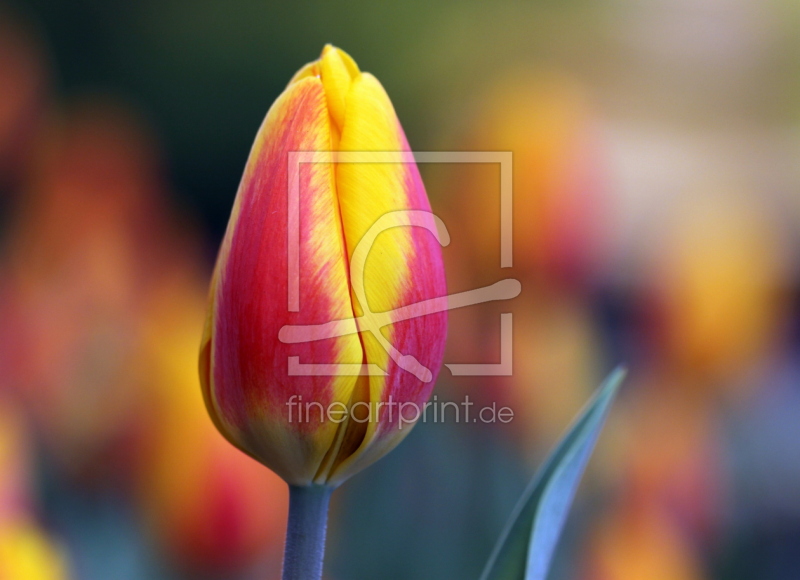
column 315, row 428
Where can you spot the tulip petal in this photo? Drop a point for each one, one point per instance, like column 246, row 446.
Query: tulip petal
column 404, row 266
column 248, row 382
column 338, row 72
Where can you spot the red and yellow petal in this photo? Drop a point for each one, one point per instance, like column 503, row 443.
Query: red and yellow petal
column 249, row 384
column 404, row 265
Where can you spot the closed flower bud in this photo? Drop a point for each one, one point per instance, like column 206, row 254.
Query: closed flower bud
column 309, row 361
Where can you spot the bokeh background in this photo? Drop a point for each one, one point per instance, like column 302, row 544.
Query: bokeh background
column 656, row 150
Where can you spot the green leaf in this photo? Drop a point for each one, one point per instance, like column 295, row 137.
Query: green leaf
column 525, row 548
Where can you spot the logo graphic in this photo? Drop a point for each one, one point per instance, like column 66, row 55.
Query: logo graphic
column 372, row 322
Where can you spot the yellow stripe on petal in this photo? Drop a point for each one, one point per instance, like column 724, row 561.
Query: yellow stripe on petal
column 367, row 191
column 337, row 71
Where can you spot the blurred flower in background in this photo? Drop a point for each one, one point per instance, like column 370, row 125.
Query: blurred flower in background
column 561, row 212
column 717, row 288
column 76, row 272
column 561, row 207
column 636, row 543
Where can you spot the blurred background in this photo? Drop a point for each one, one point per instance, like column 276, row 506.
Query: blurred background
column 656, row 151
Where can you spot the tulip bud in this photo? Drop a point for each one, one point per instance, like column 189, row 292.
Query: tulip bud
column 354, row 391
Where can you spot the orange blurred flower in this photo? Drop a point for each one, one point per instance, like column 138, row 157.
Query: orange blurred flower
column 633, row 545
column 716, row 288
column 79, row 259
column 560, row 206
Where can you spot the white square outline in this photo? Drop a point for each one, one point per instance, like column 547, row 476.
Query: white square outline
column 297, row 158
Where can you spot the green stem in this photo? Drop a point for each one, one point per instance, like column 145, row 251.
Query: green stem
column 305, row 533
